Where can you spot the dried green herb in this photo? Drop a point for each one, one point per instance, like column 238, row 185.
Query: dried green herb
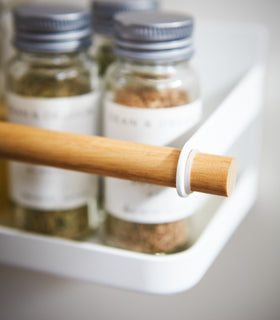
column 71, row 224
column 44, row 83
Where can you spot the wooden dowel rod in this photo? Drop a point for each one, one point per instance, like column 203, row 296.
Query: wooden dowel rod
column 114, row 158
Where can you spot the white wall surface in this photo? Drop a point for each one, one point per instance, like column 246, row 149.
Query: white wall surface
column 243, row 283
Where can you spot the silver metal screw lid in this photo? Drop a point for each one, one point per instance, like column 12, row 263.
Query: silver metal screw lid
column 52, row 28
column 103, row 12
column 153, row 36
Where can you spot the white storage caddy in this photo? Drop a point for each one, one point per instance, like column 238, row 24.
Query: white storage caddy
column 231, row 62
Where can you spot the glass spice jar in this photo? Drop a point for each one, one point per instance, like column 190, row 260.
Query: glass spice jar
column 103, row 12
column 53, row 84
column 2, row 105
column 152, row 97
column 4, row 202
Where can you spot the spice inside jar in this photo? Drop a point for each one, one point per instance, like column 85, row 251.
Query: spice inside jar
column 152, row 97
column 53, row 84
column 149, row 238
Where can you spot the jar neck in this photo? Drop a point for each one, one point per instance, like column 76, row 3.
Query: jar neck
column 104, row 36
column 50, row 58
column 135, row 62
column 145, row 67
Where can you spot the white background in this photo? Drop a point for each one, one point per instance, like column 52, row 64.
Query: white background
column 244, row 281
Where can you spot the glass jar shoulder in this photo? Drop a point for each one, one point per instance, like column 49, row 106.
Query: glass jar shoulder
column 166, row 79
column 102, row 52
column 51, row 75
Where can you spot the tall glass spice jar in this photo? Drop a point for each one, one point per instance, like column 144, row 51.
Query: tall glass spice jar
column 103, row 12
column 53, row 84
column 152, row 96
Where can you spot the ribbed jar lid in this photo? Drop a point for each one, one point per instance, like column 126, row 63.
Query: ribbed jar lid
column 103, row 11
column 50, row 28
column 153, row 35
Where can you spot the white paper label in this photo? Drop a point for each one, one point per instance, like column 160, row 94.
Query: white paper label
column 140, row 202
column 45, row 188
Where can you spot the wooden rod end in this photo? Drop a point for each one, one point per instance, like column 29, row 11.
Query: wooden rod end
column 213, row 174
column 231, row 178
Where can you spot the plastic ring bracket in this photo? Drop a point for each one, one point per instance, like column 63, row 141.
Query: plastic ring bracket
column 183, row 174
